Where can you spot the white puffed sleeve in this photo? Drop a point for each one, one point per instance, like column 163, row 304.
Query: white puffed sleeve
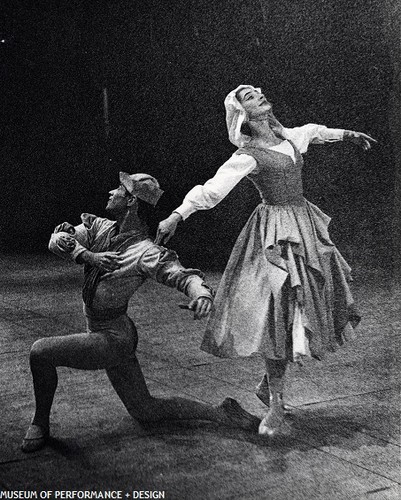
column 215, row 189
column 312, row 134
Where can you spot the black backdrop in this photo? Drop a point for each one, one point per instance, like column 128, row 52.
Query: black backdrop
column 167, row 67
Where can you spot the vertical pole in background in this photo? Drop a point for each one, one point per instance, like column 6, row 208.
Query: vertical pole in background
column 263, row 8
column 106, row 122
column 106, row 112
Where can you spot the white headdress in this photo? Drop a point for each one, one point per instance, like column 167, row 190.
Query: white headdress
column 236, row 116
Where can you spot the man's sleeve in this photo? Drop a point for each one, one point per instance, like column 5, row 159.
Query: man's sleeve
column 82, row 234
column 163, row 265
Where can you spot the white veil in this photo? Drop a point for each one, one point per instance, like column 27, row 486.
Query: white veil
column 236, row 116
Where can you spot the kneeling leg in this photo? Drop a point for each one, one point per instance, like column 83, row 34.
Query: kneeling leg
column 129, row 383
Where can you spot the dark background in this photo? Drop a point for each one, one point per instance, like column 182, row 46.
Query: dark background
column 167, row 67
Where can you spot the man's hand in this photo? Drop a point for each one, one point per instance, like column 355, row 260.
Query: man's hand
column 360, row 139
column 201, row 307
column 107, row 261
column 65, row 227
column 167, row 228
column 65, row 242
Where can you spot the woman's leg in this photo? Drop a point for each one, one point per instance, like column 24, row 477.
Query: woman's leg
column 275, row 372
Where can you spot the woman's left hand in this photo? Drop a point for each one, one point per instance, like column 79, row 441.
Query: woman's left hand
column 360, row 139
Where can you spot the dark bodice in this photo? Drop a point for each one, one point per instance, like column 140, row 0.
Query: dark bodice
column 277, row 178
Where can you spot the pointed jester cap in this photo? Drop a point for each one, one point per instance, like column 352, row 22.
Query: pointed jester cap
column 144, row 186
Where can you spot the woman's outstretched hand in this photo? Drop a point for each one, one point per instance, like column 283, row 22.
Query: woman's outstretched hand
column 167, row 228
column 360, row 139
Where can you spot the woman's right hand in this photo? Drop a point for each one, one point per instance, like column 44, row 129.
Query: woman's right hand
column 167, row 228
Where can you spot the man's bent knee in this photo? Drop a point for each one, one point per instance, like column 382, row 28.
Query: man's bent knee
column 40, row 352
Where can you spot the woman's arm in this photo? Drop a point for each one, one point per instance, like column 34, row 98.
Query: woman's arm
column 320, row 134
column 208, row 195
column 360, row 139
column 312, row 134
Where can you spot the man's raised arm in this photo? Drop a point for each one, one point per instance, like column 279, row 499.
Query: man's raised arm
column 68, row 241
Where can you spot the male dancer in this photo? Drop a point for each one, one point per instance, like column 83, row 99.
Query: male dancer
column 118, row 257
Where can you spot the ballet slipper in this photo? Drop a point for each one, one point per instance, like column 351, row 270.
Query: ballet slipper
column 273, row 424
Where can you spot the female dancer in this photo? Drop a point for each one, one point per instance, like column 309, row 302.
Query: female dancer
column 284, row 293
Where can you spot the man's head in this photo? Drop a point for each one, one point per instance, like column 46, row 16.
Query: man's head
column 133, row 188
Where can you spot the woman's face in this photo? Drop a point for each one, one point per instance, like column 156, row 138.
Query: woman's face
column 254, row 102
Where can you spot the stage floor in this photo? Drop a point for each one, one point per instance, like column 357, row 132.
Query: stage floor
column 345, row 424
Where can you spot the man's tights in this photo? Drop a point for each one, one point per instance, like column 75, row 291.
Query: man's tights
column 93, row 351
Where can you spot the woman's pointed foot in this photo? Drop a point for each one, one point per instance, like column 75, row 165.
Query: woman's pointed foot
column 273, row 423
column 35, row 438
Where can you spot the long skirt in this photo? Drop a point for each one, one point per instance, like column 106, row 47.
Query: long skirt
column 285, row 291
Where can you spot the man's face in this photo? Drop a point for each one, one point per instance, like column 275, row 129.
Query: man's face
column 254, row 102
column 117, row 200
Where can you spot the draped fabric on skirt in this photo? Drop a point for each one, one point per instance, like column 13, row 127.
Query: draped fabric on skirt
column 285, row 291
